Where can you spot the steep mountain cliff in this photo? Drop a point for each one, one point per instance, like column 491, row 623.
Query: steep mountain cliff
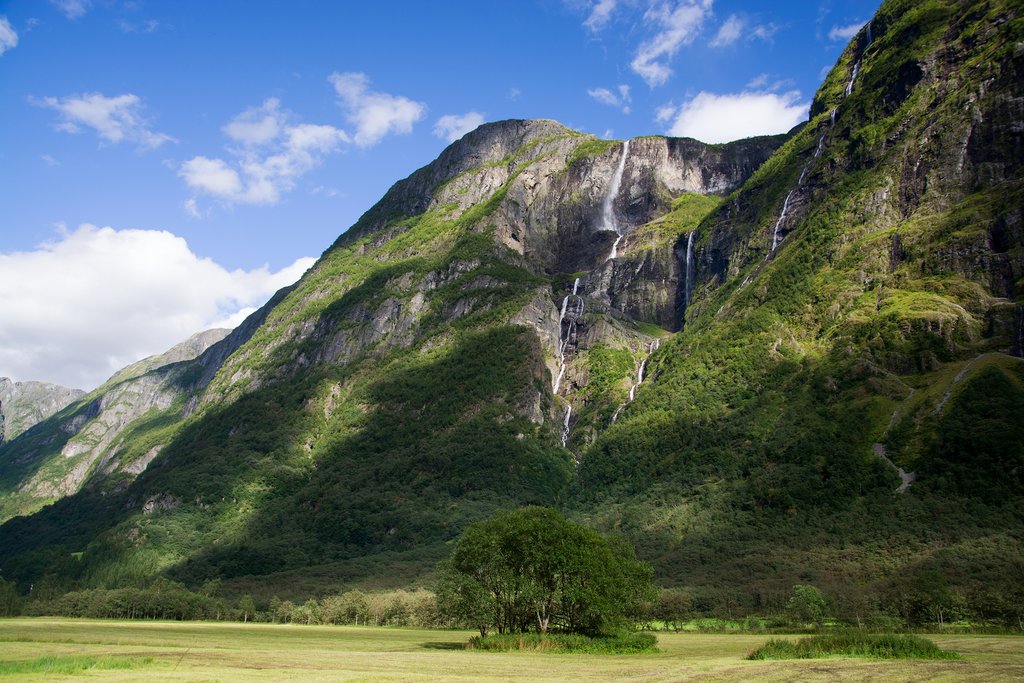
column 92, row 436
column 783, row 359
column 23, row 404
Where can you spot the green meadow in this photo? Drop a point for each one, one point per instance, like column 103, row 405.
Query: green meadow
column 62, row 649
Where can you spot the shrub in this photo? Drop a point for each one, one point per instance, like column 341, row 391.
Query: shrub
column 853, row 644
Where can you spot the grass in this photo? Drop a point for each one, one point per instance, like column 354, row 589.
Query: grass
column 261, row 652
column 853, row 644
column 562, row 643
column 67, row 665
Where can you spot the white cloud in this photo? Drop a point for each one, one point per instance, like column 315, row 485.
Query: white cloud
column 257, row 125
column 844, row 33
column 665, row 112
column 604, row 96
column 451, row 127
column 272, row 156
column 374, row 114
column 514, row 94
column 757, row 82
column 620, row 98
column 600, row 14
column 728, row 33
column 72, row 9
column 721, row 118
column 212, row 176
column 191, row 207
column 678, row 26
column 77, row 309
column 734, row 28
column 50, row 161
column 764, row 32
column 8, row 36
column 114, row 119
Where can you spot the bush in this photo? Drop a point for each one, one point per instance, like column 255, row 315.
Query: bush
column 557, row 643
column 853, row 644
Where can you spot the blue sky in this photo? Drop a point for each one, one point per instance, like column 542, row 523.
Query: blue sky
column 166, row 165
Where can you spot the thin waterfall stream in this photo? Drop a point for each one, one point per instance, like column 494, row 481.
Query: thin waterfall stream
column 688, row 282
column 776, row 237
column 608, row 221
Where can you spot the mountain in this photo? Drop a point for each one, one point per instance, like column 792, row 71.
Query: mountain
column 791, row 359
column 90, row 436
column 23, row 404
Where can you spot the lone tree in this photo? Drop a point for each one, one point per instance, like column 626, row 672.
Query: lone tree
column 807, row 605
column 533, row 570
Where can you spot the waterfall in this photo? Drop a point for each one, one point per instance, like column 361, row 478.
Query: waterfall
column 608, row 221
column 817, row 152
column 572, row 315
column 653, row 346
column 565, row 425
column 853, row 77
column 688, row 283
column 782, row 217
column 821, row 145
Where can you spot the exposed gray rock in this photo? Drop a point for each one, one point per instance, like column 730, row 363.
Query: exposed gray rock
column 24, row 404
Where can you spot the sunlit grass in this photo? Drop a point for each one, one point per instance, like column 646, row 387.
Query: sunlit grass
column 199, row 651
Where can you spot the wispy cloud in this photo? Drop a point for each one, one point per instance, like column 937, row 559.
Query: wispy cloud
column 374, row 114
column 451, row 127
column 8, row 36
column 72, row 9
column 844, row 33
column 148, row 26
column 114, row 119
column 728, row 33
column 676, row 26
column 736, row 27
column 268, row 157
column 712, row 117
column 600, row 14
column 620, row 98
column 758, row 82
column 85, row 305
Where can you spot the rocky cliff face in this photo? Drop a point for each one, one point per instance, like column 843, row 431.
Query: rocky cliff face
column 23, row 404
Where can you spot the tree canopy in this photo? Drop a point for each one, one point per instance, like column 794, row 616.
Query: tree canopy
column 534, row 570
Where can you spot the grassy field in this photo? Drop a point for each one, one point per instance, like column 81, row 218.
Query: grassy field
column 57, row 649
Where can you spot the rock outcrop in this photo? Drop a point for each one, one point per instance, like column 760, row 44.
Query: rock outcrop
column 23, row 404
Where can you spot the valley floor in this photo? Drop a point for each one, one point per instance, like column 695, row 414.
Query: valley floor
column 34, row 649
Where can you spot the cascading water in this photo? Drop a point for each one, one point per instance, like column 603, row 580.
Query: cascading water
column 565, row 425
column 688, row 283
column 651, row 348
column 776, row 238
column 856, row 65
column 573, row 316
column 608, row 221
column 853, row 77
column 782, row 216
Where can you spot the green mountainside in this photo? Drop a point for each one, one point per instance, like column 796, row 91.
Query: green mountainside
column 790, row 359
